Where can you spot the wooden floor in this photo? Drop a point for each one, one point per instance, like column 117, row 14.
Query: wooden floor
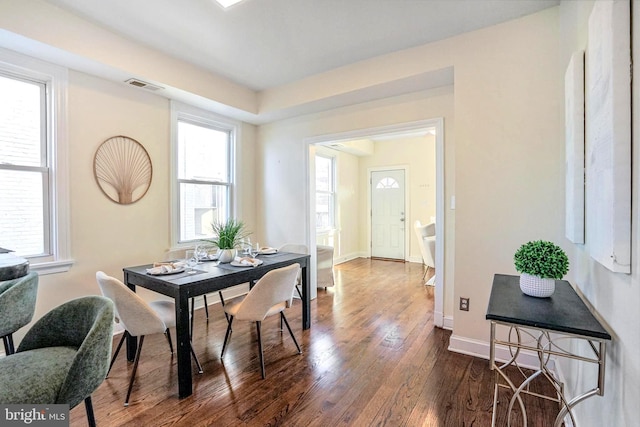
column 371, row 357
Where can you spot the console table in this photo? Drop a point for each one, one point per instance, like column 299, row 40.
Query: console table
column 545, row 326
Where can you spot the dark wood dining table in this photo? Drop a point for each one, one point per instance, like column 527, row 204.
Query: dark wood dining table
column 209, row 277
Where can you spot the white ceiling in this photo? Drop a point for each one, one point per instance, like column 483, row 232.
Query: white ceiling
column 267, row 43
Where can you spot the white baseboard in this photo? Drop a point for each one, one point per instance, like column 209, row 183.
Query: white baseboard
column 349, row 257
column 526, row 359
column 442, row 321
column 447, row 323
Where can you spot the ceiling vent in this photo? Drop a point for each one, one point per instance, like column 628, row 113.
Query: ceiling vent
column 143, row 85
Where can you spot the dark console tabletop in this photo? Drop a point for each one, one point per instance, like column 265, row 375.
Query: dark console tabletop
column 563, row 312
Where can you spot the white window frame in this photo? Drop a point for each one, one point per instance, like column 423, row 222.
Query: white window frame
column 194, row 115
column 331, row 193
column 55, row 79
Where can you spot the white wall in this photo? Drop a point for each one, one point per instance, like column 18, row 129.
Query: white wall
column 344, row 238
column 614, row 296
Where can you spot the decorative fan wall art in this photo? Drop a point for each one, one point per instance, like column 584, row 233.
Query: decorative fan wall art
column 122, row 169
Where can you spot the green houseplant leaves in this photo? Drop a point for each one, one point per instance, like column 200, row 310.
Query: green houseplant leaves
column 543, row 259
column 229, row 234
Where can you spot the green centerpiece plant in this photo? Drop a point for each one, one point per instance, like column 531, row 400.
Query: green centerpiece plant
column 228, row 236
column 540, row 263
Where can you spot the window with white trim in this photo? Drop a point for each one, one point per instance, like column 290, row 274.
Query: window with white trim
column 325, row 193
column 33, row 169
column 203, row 172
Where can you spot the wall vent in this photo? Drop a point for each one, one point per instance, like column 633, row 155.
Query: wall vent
column 143, row 85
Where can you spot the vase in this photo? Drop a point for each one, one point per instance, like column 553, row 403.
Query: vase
column 537, row 286
column 227, row 255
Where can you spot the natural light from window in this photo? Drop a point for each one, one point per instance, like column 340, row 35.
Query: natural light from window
column 23, row 168
column 325, row 193
column 203, row 168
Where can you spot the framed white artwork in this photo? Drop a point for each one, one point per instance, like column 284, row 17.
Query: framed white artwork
column 574, row 143
column 608, row 135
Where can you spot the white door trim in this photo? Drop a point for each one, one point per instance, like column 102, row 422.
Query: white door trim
column 438, row 123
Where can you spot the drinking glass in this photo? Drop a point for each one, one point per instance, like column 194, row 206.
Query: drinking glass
column 246, row 244
column 191, row 260
column 202, row 253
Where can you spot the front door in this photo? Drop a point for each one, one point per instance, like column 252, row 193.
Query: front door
column 387, row 214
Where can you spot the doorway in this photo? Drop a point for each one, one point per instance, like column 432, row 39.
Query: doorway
column 333, row 140
column 388, row 214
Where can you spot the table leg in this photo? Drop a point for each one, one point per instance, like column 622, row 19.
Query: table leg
column 132, row 342
column 306, row 298
column 183, row 344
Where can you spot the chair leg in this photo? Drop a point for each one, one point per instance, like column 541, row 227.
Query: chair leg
column 282, row 317
column 135, row 368
column 8, row 344
column 206, row 306
column 260, row 349
column 88, row 405
column 168, row 335
column 113, row 359
column 300, row 293
column 226, row 336
column 195, row 359
column 222, row 302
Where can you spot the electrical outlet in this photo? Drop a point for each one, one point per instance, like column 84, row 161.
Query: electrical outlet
column 464, row 304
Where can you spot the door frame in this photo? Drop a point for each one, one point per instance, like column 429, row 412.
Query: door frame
column 438, row 124
column 407, row 203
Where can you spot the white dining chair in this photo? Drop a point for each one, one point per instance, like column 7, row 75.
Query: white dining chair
column 296, row 249
column 426, row 236
column 325, row 266
column 272, row 294
column 139, row 319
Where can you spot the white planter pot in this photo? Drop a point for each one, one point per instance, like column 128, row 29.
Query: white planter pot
column 537, row 286
column 227, row 255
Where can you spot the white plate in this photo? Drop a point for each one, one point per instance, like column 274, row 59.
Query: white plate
column 210, row 258
column 179, row 270
column 238, row 264
column 268, row 251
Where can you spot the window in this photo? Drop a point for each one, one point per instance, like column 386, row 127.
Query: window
column 33, row 178
column 325, row 193
column 203, row 168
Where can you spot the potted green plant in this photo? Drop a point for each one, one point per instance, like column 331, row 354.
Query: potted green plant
column 228, row 236
column 540, row 263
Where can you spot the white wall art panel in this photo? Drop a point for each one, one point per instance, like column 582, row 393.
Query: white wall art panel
column 608, row 131
column 574, row 140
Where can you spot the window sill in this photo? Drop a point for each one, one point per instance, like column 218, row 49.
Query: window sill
column 326, row 231
column 52, row 267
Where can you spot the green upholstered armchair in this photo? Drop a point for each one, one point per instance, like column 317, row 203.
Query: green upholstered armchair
column 17, row 304
column 63, row 358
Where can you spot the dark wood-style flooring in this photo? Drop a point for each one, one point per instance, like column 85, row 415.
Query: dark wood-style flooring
column 371, row 358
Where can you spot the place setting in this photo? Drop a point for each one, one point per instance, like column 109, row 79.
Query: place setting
column 166, row 268
column 246, row 261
